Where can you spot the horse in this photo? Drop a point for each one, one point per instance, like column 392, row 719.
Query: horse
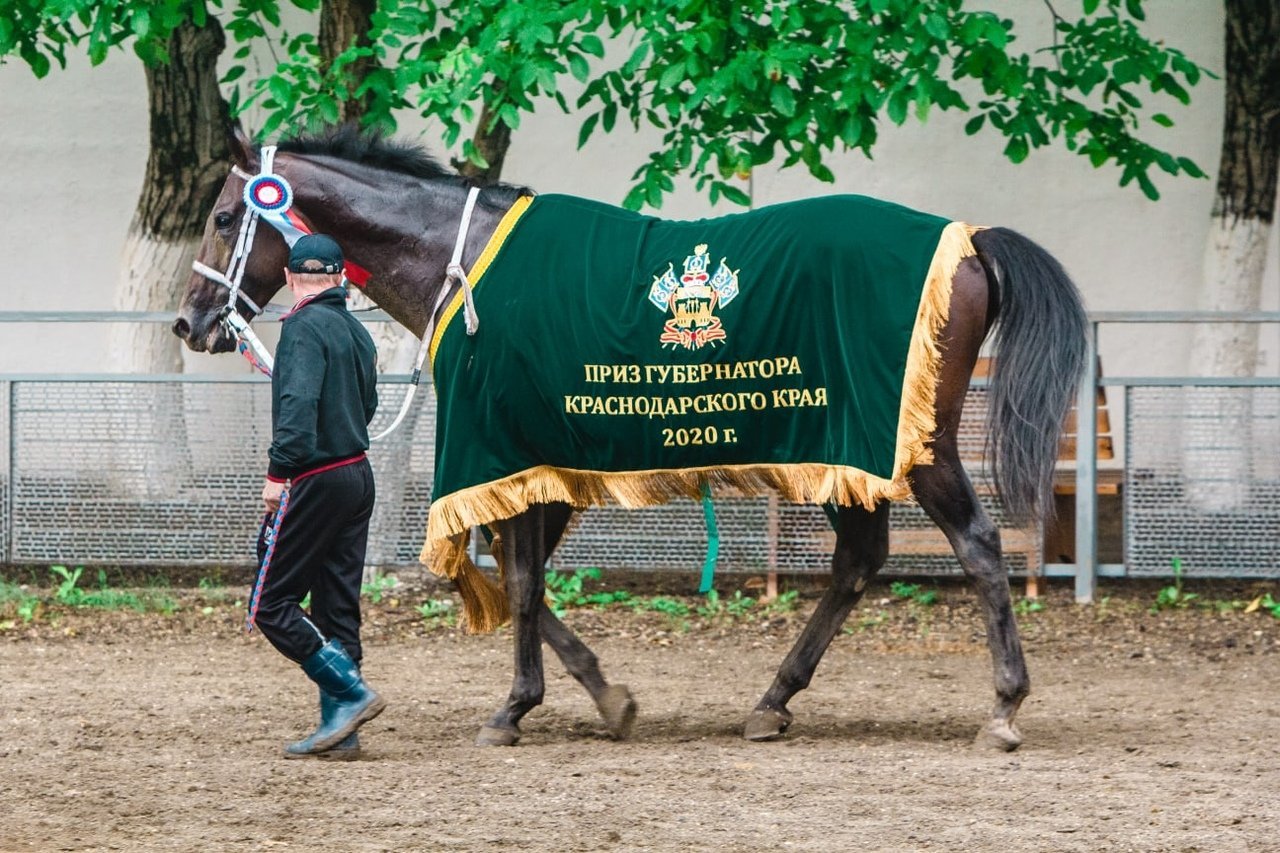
column 395, row 209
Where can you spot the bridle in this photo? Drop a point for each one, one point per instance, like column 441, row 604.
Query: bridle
column 269, row 197
column 266, row 196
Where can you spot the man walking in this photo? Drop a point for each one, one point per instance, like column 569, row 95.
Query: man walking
column 323, row 395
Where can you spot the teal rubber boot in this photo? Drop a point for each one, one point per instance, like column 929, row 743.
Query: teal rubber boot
column 347, row 750
column 352, row 703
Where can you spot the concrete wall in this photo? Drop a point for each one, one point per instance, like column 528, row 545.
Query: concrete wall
column 73, row 147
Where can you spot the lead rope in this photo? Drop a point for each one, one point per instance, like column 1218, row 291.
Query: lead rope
column 453, row 272
column 272, row 535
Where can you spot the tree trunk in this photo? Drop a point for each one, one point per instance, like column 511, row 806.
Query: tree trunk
column 344, row 23
column 186, row 167
column 1218, row 435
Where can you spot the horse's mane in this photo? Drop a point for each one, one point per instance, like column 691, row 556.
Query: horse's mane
column 372, row 148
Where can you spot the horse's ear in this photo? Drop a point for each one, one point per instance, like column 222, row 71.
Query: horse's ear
column 243, row 151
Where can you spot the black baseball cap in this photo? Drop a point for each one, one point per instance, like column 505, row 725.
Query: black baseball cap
column 315, row 253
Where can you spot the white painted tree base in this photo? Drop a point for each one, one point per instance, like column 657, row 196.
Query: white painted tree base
column 1218, row 441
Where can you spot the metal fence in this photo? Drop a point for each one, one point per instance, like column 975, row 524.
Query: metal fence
column 164, row 471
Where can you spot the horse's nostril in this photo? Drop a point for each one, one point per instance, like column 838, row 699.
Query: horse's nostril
column 181, row 328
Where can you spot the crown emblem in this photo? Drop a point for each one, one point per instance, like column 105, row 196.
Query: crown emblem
column 692, row 298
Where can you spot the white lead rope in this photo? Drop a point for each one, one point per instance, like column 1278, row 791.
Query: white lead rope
column 453, row 272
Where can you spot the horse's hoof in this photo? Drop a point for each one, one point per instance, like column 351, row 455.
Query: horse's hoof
column 618, row 709
column 494, row 736
column 766, row 724
column 999, row 735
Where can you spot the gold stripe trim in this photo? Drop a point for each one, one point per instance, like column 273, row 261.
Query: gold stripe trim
column 500, row 234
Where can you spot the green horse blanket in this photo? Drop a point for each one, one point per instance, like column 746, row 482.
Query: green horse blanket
column 628, row 358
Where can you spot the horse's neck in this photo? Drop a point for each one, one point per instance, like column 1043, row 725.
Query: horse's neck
column 401, row 229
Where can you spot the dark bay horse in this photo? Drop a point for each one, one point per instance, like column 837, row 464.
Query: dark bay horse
column 396, row 211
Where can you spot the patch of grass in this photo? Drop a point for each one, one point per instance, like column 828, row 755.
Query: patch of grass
column 212, row 589
column 69, row 593
column 913, row 592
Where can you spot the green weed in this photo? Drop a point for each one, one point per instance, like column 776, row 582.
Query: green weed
column 736, row 607
column 437, row 611
column 69, row 593
column 1173, row 596
column 867, row 622
column 1025, row 606
column 786, row 602
column 913, row 592
column 565, row 590
column 1265, row 602
column 377, row 586
column 662, row 604
column 25, row 605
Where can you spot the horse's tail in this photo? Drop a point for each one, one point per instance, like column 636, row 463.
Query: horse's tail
column 1040, row 345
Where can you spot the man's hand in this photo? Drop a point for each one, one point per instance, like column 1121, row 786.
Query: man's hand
column 271, row 492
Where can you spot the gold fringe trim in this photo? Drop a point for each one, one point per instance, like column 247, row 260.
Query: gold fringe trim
column 452, row 516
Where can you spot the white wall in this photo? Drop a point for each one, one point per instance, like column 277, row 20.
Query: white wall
column 73, row 147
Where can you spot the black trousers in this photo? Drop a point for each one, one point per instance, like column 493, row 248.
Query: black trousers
column 320, row 550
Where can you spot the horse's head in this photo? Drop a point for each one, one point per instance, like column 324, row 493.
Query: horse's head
column 205, row 299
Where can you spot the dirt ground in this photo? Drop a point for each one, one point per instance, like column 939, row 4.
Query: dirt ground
column 1145, row 732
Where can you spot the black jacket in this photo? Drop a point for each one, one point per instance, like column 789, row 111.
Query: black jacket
column 323, row 388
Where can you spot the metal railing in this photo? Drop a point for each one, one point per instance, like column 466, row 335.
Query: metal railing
column 1086, row 568
column 179, row 503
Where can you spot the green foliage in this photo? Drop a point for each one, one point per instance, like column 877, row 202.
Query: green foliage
column 728, row 85
column 913, row 592
column 736, row 85
column 1173, row 596
column 377, row 586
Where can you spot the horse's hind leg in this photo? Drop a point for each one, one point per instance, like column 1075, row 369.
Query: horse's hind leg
column 945, row 493
column 862, row 546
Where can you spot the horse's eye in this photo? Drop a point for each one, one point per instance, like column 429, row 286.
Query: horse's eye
column 223, row 219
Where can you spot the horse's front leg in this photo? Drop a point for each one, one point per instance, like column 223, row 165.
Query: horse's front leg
column 524, row 554
column 614, row 701
column 862, row 546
